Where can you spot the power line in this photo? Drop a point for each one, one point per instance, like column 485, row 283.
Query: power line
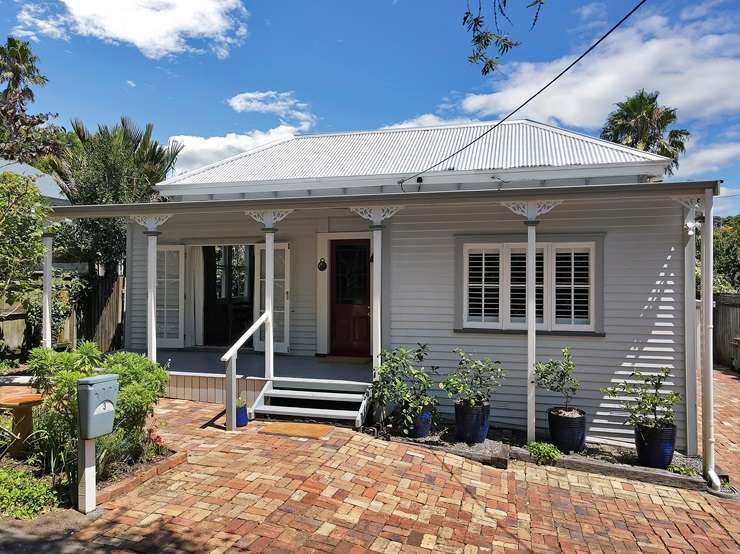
column 528, row 100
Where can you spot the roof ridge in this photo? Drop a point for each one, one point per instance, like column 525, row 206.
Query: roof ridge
column 408, row 129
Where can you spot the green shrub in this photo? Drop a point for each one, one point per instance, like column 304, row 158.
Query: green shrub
column 404, row 386
column 54, row 441
column 474, row 381
column 647, row 403
column 543, row 453
column 683, row 470
column 557, row 376
column 22, row 495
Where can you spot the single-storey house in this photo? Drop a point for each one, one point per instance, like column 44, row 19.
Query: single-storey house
column 328, row 249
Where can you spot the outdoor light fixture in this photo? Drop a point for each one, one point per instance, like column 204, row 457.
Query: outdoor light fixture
column 322, row 264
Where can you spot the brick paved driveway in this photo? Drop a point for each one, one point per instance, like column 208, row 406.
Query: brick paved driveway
column 726, row 421
column 351, row 493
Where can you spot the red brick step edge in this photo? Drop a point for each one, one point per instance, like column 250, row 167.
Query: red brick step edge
column 142, row 476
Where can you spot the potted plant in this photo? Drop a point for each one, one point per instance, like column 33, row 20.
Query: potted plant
column 472, row 386
column 242, row 417
column 401, row 389
column 652, row 415
column 567, row 424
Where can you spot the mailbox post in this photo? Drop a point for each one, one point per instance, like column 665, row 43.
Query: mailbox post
column 96, row 403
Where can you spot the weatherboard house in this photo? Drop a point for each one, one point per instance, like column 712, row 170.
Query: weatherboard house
column 285, row 271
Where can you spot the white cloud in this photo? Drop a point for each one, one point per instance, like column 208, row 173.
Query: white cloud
column 282, row 104
column 200, row 151
column 693, row 64
column 699, row 10
column 156, row 27
column 593, row 10
column 427, row 119
column 131, row 83
column 707, row 159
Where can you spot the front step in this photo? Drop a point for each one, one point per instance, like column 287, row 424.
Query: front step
column 313, row 398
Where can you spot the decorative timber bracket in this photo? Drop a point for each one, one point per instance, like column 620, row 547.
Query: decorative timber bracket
column 693, row 205
column 376, row 214
column 151, row 222
column 531, row 209
column 268, row 218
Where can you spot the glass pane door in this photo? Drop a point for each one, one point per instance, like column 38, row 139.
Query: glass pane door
column 280, row 297
column 170, row 296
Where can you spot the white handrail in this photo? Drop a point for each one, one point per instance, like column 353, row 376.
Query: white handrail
column 231, row 352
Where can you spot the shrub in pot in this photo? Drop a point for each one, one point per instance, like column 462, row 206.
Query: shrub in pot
column 242, row 417
column 401, row 389
column 567, row 424
column 472, row 386
column 652, row 414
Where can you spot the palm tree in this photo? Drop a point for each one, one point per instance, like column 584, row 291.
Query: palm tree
column 18, row 68
column 640, row 122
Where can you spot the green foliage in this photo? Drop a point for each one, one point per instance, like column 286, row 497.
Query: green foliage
column 241, row 402
column 403, row 383
column 66, row 289
column 484, row 37
column 648, row 404
column 683, row 470
column 474, row 381
column 54, row 441
column 22, row 213
column 642, row 123
column 22, row 495
column 112, row 165
column 727, row 252
column 557, row 376
column 544, row 453
column 8, row 366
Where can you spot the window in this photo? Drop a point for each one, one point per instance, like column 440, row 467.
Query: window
column 495, row 286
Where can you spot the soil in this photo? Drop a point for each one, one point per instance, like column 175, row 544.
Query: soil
column 48, row 533
column 124, row 472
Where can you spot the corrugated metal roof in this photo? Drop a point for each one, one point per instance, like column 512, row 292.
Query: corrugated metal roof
column 514, row 144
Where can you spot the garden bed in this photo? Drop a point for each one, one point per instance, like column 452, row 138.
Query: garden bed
column 614, row 461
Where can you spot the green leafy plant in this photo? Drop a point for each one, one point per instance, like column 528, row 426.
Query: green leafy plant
column 474, row 381
column 557, row 376
column 402, row 383
column 241, row 402
column 22, row 495
column 683, row 470
column 66, row 290
column 543, row 453
column 646, row 401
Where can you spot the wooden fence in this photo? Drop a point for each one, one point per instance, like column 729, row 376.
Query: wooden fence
column 726, row 326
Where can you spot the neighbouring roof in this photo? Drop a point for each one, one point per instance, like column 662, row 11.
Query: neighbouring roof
column 398, row 151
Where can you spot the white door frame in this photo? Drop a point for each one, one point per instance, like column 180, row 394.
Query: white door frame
column 259, row 344
column 180, row 341
column 323, row 282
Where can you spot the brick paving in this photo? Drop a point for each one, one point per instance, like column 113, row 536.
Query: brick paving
column 249, row 491
column 726, row 421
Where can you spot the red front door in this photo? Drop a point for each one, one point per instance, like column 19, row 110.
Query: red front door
column 350, row 297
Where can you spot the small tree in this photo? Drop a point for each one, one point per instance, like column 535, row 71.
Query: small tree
column 557, row 376
column 22, row 213
column 647, row 403
column 474, row 381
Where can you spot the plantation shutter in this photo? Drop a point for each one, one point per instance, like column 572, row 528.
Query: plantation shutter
column 573, row 286
column 483, row 285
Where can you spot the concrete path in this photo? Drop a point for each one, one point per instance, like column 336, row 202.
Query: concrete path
column 348, row 492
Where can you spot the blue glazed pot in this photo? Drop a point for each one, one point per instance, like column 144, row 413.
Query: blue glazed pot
column 242, row 417
column 567, row 433
column 423, row 424
column 471, row 422
column 655, row 445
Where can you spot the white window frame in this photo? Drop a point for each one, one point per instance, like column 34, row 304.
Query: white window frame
column 259, row 344
column 180, row 340
column 548, row 249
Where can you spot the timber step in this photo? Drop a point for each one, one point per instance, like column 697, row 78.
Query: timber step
column 307, row 412
column 315, row 395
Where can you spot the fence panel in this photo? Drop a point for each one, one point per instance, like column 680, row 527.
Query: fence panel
column 726, row 326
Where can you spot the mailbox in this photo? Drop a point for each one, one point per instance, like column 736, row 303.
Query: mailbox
column 96, row 401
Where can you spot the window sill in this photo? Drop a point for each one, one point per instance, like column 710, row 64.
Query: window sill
column 477, row 330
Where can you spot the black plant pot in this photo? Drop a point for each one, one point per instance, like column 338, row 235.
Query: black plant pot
column 471, row 422
column 655, row 445
column 568, row 434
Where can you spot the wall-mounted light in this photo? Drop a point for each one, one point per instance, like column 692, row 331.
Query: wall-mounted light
column 322, row 264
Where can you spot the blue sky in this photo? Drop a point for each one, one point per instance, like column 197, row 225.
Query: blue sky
column 222, row 76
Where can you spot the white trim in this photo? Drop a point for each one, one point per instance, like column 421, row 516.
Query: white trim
column 323, row 296
column 180, row 340
column 548, row 250
column 258, row 309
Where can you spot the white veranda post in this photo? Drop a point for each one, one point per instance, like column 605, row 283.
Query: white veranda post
column 268, row 219
column 376, row 215
column 152, row 224
column 531, row 210
column 46, row 322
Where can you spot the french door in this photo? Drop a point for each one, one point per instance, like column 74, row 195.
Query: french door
column 170, row 296
column 280, row 297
